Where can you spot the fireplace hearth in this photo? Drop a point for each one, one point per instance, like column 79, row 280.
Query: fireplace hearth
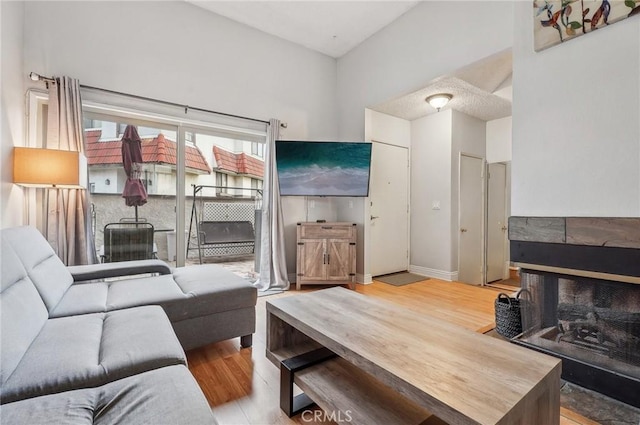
column 584, row 311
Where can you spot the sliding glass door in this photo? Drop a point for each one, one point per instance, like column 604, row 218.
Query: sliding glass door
column 223, row 177
column 132, row 186
column 193, row 168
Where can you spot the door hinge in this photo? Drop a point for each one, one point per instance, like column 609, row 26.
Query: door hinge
column 352, row 243
column 300, row 243
column 300, row 274
column 352, row 274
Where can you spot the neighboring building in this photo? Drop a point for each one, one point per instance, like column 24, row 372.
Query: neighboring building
column 222, row 167
column 237, row 170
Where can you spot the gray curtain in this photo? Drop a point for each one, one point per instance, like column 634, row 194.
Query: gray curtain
column 68, row 221
column 273, row 264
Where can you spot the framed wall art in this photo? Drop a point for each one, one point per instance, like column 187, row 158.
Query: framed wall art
column 556, row 21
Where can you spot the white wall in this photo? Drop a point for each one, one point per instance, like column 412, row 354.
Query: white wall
column 99, row 177
column 468, row 136
column 178, row 52
column 576, row 137
column 432, row 39
column 406, row 55
column 12, row 78
column 499, row 140
column 386, row 129
column 437, row 141
column 431, row 182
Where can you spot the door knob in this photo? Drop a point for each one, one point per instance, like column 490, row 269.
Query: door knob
column 462, row 230
column 373, row 217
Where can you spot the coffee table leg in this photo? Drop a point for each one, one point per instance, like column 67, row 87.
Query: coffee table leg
column 288, row 403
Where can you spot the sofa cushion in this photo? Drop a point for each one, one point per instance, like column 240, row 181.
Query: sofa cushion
column 211, row 289
column 22, row 312
column 97, row 297
column 82, row 299
column 89, row 350
column 142, row 291
column 44, row 268
column 168, row 395
column 190, row 292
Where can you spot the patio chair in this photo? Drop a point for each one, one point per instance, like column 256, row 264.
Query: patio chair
column 128, row 242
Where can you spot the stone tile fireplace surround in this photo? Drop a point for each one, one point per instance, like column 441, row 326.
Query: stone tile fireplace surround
column 581, row 278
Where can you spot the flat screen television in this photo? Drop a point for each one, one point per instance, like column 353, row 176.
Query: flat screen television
column 323, row 168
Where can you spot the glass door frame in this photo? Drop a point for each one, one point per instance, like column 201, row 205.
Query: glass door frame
column 181, row 126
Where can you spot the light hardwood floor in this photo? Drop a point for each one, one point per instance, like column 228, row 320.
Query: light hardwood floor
column 242, row 386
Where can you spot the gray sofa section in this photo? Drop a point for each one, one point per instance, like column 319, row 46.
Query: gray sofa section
column 96, row 352
column 91, row 350
column 132, row 400
column 201, row 296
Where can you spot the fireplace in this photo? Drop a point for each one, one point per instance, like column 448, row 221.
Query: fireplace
column 581, row 291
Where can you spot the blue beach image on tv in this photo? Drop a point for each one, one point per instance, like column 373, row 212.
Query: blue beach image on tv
column 323, row 168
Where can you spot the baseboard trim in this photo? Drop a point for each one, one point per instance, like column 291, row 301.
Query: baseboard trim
column 435, row 273
column 364, row 279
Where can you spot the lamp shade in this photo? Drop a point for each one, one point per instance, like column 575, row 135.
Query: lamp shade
column 34, row 167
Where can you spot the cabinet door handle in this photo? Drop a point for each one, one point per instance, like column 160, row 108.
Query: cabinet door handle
column 324, row 258
column 328, row 259
column 327, row 227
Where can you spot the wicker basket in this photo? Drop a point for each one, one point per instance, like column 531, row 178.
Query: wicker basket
column 508, row 315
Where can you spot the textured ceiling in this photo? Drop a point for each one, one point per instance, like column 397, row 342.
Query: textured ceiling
column 482, row 90
column 467, row 98
column 325, row 26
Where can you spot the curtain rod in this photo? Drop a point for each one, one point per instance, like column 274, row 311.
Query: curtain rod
column 37, row 77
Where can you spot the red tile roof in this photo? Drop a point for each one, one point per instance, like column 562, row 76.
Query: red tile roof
column 158, row 150
column 239, row 163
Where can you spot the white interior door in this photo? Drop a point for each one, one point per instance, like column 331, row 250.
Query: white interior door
column 389, row 197
column 471, row 207
column 496, row 222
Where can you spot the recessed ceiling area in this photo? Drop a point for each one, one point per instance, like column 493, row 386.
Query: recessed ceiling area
column 329, row 27
column 481, row 90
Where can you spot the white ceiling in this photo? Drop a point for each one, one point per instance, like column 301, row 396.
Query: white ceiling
column 329, row 27
column 482, row 89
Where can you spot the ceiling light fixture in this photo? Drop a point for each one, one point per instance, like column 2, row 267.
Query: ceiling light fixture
column 439, row 100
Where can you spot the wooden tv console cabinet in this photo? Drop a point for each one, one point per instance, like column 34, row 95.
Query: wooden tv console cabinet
column 368, row 361
column 326, row 254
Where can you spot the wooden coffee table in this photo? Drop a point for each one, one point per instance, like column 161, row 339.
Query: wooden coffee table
column 369, row 361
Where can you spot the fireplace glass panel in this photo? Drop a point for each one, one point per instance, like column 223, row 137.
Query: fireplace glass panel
column 589, row 320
